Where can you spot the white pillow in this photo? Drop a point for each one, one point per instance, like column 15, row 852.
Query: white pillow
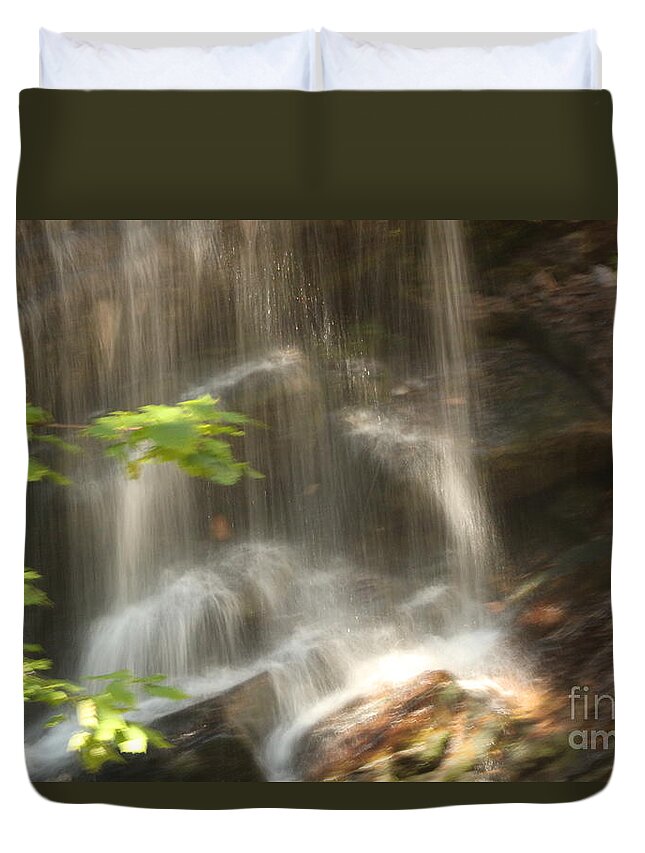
column 286, row 62
column 567, row 62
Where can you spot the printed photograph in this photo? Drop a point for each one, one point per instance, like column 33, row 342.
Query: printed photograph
column 318, row 500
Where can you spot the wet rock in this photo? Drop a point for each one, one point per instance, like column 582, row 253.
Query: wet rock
column 379, row 770
column 543, row 617
column 434, row 728
column 368, row 730
column 424, row 756
column 469, row 752
column 214, row 740
column 251, row 707
column 429, row 729
column 531, row 754
column 246, row 710
column 217, row 758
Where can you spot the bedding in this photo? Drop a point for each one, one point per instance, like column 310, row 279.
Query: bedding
column 286, row 62
column 319, row 420
column 567, row 62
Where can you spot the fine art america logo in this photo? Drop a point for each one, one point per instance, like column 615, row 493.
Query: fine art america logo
column 588, row 707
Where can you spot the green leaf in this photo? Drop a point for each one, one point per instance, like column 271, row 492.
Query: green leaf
column 31, row 575
column 38, row 470
column 33, row 595
column 193, row 434
column 135, row 740
column 155, row 738
column 109, row 728
column 119, row 675
column 147, row 679
column 37, row 416
column 58, row 442
column 165, row 692
column 78, row 741
column 87, row 713
column 94, row 755
column 36, row 665
column 121, row 694
column 37, row 688
column 179, row 435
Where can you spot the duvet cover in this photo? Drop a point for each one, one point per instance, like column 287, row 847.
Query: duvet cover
column 319, row 420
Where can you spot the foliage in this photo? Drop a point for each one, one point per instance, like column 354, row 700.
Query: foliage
column 34, row 595
column 190, row 434
column 195, row 436
column 105, row 734
column 36, row 687
column 38, row 470
column 39, row 688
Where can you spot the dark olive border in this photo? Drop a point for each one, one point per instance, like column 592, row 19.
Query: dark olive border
column 463, row 155
column 307, row 795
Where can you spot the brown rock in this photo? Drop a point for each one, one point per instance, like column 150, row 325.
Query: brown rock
column 379, row 724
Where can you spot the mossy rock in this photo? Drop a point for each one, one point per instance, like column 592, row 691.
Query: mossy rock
column 423, row 756
column 470, row 752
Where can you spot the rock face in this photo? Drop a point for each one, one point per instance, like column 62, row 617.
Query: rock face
column 544, row 310
column 570, row 320
column 539, row 426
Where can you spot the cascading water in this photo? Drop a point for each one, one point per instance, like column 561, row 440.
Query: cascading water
column 352, row 343
column 471, row 534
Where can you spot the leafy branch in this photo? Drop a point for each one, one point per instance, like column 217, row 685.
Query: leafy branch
column 193, row 434
column 33, row 594
column 105, row 734
column 38, row 470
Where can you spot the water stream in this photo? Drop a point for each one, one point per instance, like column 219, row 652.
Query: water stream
column 366, row 549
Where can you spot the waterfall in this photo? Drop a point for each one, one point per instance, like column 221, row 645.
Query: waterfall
column 352, row 342
column 470, row 531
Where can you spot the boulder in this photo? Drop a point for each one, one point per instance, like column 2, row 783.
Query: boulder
column 398, row 732
column 214, row 740
column 435, row 728
column 220, row 757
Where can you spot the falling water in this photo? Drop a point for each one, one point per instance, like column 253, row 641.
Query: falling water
column 352, row 343
column 471, row 534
